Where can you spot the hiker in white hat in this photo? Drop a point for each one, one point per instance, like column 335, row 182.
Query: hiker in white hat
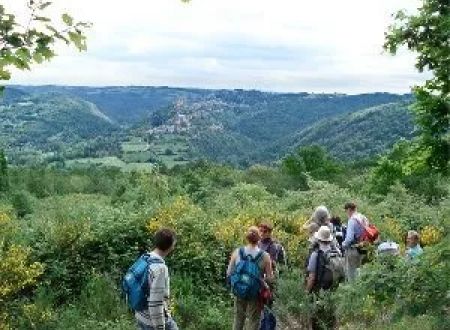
column 321, row 273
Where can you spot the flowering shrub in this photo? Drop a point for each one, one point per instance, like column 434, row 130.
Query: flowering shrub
column 430, row 235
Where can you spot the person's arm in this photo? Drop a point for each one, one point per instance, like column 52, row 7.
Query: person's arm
column 156, row 297
column 350, row 234
column 231, row 264
column 268, row 271
column 312, row 268
column 282, row 256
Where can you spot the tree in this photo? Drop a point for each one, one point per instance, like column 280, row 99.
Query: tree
column 23, row 45
column 428, row 34
column 4, row 182
column 313, row 160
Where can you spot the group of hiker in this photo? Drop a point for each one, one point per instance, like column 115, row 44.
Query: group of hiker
column 336, row 252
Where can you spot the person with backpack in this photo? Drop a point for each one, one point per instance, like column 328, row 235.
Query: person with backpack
column 272, row 247
column 324, row 272
column 339, row 230
column 249, row 272
column 147, row 282
column 358, row 228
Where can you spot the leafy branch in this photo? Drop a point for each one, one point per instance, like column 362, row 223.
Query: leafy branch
column 21, row 46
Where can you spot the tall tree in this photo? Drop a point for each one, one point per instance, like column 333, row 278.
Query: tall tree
column 428, row 34
column 34, row 42
column 4, row 181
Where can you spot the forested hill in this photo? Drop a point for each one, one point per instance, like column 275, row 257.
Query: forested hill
column 358, row 135
column 50, row 123
column 175, row 125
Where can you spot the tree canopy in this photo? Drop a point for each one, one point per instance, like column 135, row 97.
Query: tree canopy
column 428, row 34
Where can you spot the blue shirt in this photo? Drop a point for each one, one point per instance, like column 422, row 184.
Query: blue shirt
column 414, row 252
column 354, row 230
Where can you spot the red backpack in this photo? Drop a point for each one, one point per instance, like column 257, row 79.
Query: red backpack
column 370, row 232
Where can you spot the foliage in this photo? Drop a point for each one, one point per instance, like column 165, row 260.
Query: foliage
column 88, row 226
column 427, row 33
column 34, row 41
column 22, row 203
column 4, row 181
column 311, row 160
column 392, row 288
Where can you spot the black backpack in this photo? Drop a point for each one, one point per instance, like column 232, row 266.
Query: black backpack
column 329, row 271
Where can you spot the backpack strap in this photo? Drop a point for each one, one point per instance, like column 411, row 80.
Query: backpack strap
column 151, row 260
column 241, row 254
column 258, row 256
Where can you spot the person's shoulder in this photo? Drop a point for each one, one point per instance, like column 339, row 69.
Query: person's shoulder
column 314, row 254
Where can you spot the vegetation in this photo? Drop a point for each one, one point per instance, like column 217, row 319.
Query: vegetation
column 33, row 41
column 427, row 33
column 68, row 234
column 74, row 232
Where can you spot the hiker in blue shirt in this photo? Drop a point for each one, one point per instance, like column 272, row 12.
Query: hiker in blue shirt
column 353, row 256
column 414, row 249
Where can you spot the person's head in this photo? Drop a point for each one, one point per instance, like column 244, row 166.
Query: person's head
column 164, row 241
column 336, row 221
column 350, row 208
column 265, row 230
column 252, row 236
column 312, row 228
column 413, row 238
column 321, row 215
column 323, row 235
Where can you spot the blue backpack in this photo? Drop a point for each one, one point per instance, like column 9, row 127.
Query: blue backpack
column 246, row 278
column 135, row 282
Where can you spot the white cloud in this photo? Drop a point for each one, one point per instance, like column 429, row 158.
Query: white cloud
column 283, row 45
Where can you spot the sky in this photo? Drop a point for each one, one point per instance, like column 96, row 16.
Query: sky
column 277, row 45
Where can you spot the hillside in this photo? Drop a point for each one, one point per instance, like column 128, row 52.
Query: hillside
column 51, row 123
column 361, row 134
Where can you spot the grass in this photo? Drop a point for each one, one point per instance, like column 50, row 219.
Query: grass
column 103, row 161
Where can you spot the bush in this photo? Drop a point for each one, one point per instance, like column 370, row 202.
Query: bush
column 391, row 288
column 22, row 202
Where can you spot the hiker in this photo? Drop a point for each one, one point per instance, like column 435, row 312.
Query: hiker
column 312, row 228
column 325, row 270
column 339, row 230
column 249, row 272
column 321, row 216
column 355, row 230
column 272, row 247
column 156, row 314
column 414, row 249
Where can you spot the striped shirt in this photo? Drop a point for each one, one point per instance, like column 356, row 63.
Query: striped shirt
column 157, row 313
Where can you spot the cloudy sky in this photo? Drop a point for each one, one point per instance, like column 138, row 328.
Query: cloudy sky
column 278, row 45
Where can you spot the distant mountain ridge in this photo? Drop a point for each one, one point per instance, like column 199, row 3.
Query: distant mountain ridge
column 241, row 127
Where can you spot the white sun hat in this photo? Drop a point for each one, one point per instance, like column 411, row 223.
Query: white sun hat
column 324, row 234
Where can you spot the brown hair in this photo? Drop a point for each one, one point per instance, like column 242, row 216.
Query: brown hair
column 252, row 235
column 350, row 206
column 164, row 239
column 265, row 226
